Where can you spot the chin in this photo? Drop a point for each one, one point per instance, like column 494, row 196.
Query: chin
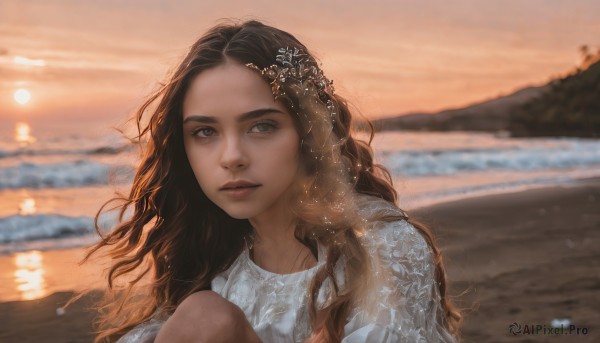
column 238, row 213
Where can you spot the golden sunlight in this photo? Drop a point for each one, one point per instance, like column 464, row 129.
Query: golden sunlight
column 23, row 134
column 29, row 275
column 27, row 206
column 28, row 61
column 22, row 96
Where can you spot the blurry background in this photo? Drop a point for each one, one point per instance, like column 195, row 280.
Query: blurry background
column 89, row 59
column 471, row 98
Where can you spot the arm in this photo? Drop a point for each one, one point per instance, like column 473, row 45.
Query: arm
column 403, row 302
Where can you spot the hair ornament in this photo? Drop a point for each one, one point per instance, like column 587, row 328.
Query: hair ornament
column 293, row 64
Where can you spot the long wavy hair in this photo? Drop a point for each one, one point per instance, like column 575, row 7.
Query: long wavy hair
column 171, row 240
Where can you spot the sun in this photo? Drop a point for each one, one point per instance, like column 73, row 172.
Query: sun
column 22, row 96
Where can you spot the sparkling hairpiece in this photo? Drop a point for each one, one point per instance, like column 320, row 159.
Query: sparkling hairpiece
column 294, row 64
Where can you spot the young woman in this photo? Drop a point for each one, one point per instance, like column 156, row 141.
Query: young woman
column 257, row 216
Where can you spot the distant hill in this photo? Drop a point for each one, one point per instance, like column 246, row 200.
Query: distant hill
column 490, row 115
column 569, row 106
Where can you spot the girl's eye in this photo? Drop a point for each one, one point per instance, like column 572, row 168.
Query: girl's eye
column 263, row 128
column 203, row 132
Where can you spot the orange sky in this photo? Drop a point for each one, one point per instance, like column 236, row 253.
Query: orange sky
column 98, row 59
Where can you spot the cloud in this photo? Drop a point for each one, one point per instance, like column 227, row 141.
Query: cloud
column 28, row 61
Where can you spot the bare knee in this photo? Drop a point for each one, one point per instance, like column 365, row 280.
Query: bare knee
column 209, row 308
column 206, row 317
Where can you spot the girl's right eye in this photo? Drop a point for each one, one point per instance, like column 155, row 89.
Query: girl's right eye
column 203, row 132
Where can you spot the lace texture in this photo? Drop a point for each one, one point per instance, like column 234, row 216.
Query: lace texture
column 402, row 303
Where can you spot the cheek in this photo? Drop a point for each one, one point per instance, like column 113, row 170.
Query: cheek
column 290, row 155
column 199, row 167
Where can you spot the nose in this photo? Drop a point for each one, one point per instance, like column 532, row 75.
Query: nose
column 233, row 156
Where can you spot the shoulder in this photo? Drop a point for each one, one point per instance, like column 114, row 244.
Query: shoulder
column 398, row 236
column 386, row 227
column 392, row 242
column 372, row 209
column 399, row 247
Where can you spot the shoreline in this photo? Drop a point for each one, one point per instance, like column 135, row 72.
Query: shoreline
column 527, row 257
column 407, row 201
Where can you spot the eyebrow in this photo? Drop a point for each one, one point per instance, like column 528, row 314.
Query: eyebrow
column 243, row 117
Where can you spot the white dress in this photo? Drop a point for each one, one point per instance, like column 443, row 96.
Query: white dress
column 403, row 304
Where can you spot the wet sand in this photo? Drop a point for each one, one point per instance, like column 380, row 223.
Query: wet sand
column 526, row 258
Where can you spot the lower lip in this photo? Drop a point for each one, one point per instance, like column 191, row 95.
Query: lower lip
column 240, row 192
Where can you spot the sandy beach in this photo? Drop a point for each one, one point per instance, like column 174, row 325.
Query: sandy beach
column 527, row 258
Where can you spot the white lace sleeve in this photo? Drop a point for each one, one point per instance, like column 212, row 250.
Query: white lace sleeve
column 403, row 302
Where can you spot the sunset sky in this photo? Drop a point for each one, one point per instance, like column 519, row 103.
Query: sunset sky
column 98, row 59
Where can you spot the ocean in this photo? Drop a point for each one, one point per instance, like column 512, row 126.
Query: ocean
column 54, row 177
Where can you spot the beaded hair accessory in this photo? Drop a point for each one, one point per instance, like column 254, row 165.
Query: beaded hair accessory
column 293, row 65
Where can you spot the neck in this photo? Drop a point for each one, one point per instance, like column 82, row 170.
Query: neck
column 273, row 231
column 275, row 247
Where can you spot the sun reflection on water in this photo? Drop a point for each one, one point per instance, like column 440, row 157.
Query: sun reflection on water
column 23, row 134
column 27, row 206
column 29, row 275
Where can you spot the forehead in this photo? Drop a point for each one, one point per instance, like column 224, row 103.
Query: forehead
column 228, row 89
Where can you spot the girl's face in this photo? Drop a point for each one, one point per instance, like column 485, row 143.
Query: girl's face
column 236, row 135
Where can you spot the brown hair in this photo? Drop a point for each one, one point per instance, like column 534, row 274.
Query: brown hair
column 181, row 240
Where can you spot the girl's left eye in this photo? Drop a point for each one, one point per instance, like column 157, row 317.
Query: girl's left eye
column 203, row 132
column 263, row 128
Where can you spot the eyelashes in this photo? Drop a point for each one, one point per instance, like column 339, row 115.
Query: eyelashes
column 267, row 127
column 196, row 132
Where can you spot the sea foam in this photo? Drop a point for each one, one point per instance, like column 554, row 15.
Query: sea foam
column 59, row 175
